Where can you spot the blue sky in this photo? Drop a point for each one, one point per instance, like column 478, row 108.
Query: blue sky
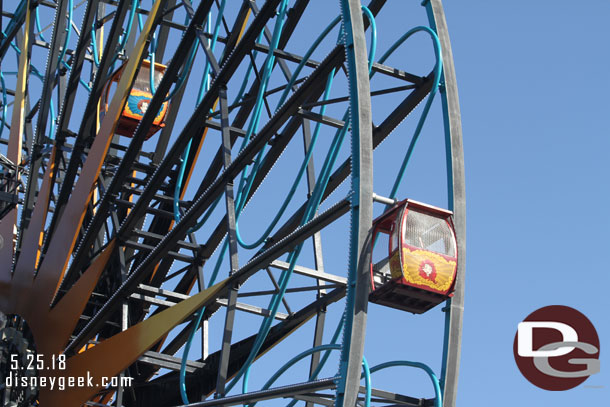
column 533, row 89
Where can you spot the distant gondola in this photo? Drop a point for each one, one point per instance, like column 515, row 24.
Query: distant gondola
column 138, row 100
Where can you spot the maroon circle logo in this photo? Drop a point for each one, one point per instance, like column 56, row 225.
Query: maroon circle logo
column 556, row 348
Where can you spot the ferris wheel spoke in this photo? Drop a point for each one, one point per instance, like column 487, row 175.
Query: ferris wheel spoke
column 76, row 69
column 15, row 143
column 53, row 265
column 84, row 137
column 124, row 168
column 49, row 83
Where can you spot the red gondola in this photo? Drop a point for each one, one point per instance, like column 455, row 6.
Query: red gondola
column 138, row 100
column 422, row 257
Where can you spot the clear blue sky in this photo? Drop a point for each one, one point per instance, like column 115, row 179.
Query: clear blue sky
column 533, row 86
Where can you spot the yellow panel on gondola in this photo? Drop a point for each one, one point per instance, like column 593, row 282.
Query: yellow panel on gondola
column 427, row 270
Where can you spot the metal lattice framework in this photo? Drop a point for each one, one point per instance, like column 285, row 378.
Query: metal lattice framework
column 118, row 251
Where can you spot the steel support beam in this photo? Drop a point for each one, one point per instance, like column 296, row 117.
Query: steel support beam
column 223, row 364
column 138, row 139
column 87, row 129
column 195, row 127
column 78, row 58
column 259, row 262
column 317, row 254
column 277, row 392
column 14, row 26
column 201, row 382
column 15, row 144
column 311, row 89
column 49, row 82
column 361, row 204
column 457, row 198
column 207, row 198
column 343, row 171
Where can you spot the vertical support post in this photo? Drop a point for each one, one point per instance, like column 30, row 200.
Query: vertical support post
column 166, row 132
column 131, row 40
column 124, row 310
column 226, row 344
column 164, row 32
column 457, row 203
column 361, row 205
column 124, row 326
column 204, row 323
column 233, row 259
column 198, row 267
column 317, row 255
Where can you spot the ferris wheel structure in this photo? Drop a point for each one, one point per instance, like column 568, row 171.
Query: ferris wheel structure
column 203, row 203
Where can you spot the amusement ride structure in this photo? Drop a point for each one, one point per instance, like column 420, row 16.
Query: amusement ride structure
column 175, row 225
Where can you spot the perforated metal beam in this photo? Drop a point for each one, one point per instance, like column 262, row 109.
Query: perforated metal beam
column 457, row 196
column 361, row 204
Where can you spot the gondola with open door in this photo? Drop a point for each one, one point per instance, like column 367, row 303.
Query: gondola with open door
column 138, row 100
column 422, row 257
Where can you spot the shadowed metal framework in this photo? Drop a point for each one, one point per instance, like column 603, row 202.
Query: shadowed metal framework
column 117, row 251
